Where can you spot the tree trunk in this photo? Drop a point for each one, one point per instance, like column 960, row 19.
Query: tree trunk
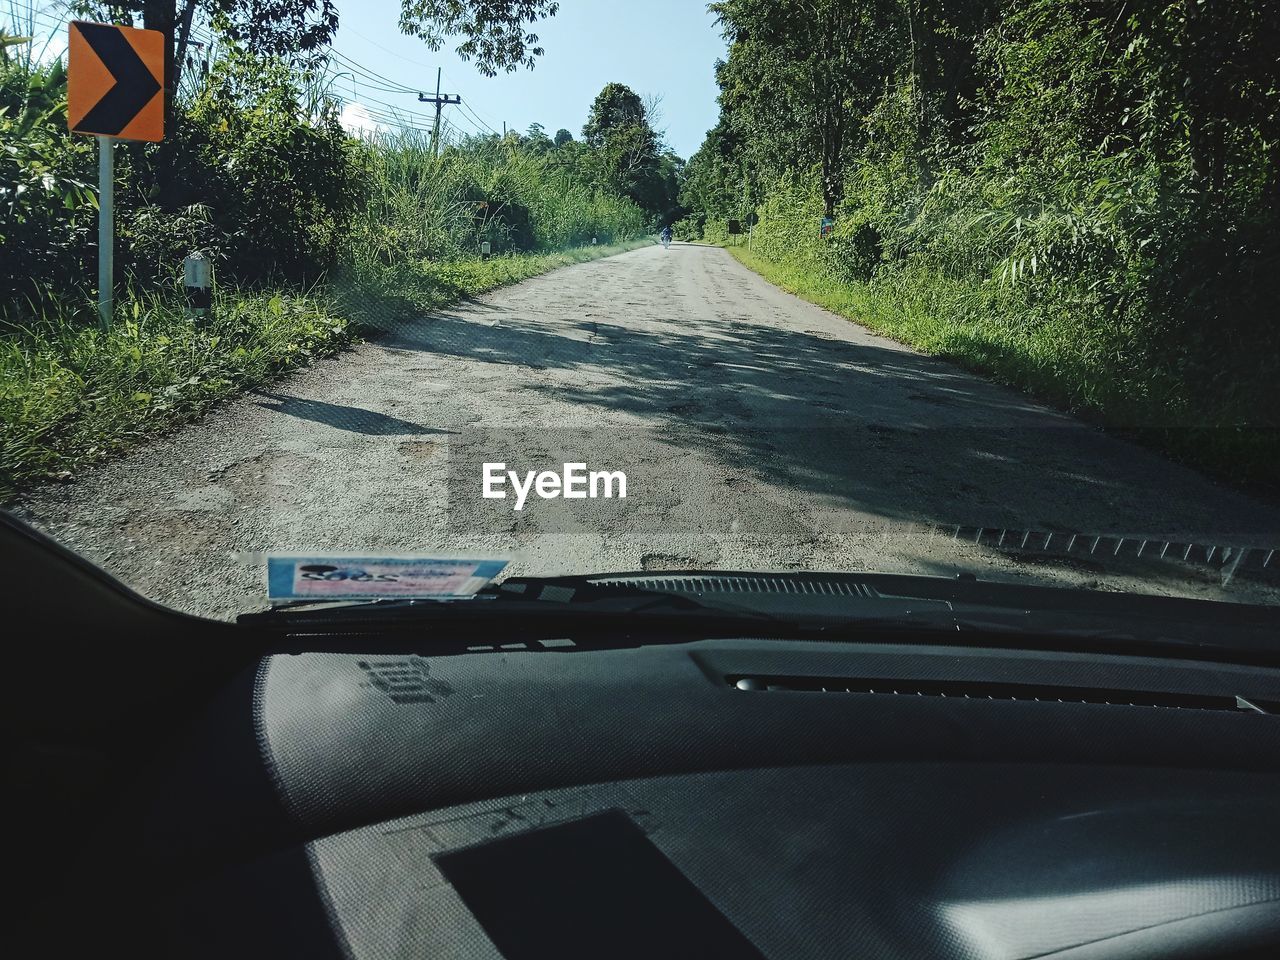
column 162, row 15
column 180, row 43
column 830, row 132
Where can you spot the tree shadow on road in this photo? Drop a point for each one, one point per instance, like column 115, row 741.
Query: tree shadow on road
column 848, row 426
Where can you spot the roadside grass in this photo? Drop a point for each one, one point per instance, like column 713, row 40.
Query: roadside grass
column 376, row 295
column 1089, row 373
column 72, row 394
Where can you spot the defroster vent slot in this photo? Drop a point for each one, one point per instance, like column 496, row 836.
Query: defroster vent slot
column 983, row 690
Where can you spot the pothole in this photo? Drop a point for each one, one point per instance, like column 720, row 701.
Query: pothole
column 669, row 561
column 276, row 477
column 270, row 466
column 417, row 449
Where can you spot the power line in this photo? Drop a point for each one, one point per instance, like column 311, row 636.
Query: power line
column 398, row 56
column 472, row 128
column 389, row 113
column 383, row 119
column 363, row 73
column 394, row 85
column 385, row 84
column 40, row 17
column 483, row 122
column 398, row 112
column 394, row 115
column 479, row 121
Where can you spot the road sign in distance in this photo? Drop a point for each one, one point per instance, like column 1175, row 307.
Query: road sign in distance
column 735, row 227
column 115, row 81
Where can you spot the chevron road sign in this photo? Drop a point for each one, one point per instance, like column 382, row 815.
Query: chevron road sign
column 115, row 81
column 115, row 91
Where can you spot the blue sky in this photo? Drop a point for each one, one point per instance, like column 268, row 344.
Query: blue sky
column 663, row 47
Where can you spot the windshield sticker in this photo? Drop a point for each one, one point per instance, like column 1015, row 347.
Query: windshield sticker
column 310, row 577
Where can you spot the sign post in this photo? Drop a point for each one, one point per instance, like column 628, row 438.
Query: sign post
column 115, row 91
column 106, row 229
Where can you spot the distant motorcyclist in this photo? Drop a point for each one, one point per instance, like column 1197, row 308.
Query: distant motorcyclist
column 666, row 237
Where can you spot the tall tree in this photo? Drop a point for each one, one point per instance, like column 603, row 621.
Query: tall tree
column 536, row 139
column 799, row 74
column 628, row 153
column 615, row 108
column 713, row 184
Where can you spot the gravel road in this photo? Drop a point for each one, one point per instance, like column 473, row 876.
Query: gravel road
column 757, row 432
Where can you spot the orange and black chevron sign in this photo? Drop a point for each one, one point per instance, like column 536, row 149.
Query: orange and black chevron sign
column 115, row 81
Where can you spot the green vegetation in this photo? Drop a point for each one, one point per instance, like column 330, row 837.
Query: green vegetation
column 508, row 192
column 317, row 239
column 1079, row 198
column 627, row 152
column 72, row 394
column 401, row 292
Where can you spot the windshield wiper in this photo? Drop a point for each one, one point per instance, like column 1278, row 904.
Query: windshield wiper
column 825, row 606
column 612, row 603
column 535, row 594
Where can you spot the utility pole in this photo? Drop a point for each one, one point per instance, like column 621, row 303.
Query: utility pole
column 441, row 103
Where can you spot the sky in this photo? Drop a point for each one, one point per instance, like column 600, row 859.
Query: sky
column 662, row 47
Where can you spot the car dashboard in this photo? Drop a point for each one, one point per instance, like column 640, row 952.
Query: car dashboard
column 728, row 798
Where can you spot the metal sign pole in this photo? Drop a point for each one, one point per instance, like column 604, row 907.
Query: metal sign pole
column 106, row 227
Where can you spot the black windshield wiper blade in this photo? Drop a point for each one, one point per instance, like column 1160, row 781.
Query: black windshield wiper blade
column 824, row 606
column 609, row 604
column 529, row 595
column 577, row 598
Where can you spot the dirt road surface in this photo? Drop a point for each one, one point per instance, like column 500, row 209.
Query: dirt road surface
column 757, row 432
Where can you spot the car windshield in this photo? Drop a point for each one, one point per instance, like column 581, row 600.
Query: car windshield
column 533, row 288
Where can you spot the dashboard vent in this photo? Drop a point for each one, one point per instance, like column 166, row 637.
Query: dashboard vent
column 743, row 584
column 981, row 690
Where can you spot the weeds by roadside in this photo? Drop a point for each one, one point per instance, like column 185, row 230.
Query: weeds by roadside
column 72, row 394
column 1066, row 364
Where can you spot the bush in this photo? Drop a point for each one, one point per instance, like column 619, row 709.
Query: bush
column 1155, row 320
column 280, row 186
column 48, row 209
column 417, row 207
column 248, row 175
